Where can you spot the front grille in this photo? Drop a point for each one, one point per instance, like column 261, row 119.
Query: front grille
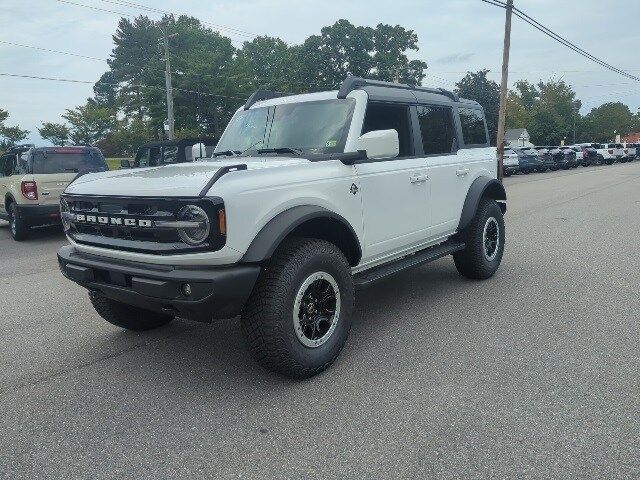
column 127, row 223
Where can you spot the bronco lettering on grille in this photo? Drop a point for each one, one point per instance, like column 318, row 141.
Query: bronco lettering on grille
column 115, row 221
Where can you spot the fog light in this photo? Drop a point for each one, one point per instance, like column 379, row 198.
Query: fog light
column 186, row 289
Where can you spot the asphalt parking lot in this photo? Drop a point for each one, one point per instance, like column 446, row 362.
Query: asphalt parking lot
column 534, row 373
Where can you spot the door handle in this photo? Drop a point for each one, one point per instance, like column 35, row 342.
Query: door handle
column 461, row 172
column 418, row 178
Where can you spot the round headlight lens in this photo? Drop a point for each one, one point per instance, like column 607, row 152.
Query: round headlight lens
column 64, row 211
column 197, row 234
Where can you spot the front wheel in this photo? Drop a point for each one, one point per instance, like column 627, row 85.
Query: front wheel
column 484, row 238
column 298, row 316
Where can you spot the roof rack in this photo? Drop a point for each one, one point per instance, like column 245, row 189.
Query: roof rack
column 260, row 95
column 353, row 83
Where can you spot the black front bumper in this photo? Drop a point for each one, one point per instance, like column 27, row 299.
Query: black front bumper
column 218, row 292
column 36, row 215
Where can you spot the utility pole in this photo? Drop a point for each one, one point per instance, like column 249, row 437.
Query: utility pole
column 503, row 85
column 167, row 79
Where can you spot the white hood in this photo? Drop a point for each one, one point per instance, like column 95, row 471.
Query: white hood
column 178, row 180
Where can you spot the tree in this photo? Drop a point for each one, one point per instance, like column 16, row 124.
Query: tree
column 602, row 123
column 517, row 116
column 56, row 133
column 89, row 123
column 10, row 136
column 476, row 86
column 323, row 61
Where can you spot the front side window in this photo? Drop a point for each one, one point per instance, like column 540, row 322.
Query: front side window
column 473, row 129
column 436, row 126
column 314, row 127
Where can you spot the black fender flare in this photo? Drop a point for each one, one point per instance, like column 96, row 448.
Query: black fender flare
column 481, row 187
column 277, row 229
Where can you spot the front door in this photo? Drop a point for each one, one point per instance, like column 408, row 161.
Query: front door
column 395, row 192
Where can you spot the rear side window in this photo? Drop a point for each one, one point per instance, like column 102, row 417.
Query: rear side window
column 71, row 161
column 438, row 132
column 473, row 130
column 3, row 163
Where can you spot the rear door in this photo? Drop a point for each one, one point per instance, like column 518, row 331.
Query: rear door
column 53, row 169
column 439, row 142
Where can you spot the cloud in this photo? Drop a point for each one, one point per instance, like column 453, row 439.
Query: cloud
column 455, row 58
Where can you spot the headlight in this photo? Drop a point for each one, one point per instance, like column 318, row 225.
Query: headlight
column 65, row 214
column 196, row 227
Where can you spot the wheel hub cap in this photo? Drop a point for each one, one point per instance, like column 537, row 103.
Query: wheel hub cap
column 491, row 238
column 316, row 309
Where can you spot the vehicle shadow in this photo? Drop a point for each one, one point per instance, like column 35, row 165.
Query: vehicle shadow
column 36, row 233
column 193, row 357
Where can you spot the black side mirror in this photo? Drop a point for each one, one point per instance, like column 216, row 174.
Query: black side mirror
column 124, row 163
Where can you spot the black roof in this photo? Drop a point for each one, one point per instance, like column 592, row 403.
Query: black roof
column 181, row 142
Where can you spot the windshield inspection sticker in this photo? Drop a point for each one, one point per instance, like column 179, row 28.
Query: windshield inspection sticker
column 331, row 143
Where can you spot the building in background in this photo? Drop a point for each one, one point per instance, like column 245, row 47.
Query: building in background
column 517, row 137
column 632, row 138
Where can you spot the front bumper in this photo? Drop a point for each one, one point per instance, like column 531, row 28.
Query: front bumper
column 219, row 292
column 36, row 215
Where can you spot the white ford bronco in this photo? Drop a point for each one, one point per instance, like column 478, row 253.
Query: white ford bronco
column 306, row 198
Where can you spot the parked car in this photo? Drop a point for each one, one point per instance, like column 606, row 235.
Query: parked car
column 32, row 179
column 629, row 152
column 528, row 160
column 560, row 160
column 611, row 152
column 589, row 153
column 571, row 156
column 545, row 157
column 510, row 163
column 284, row 232
column 637, row 149
column 167, row 152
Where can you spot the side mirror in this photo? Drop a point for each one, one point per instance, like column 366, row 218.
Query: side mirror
column 380, row 143
column 124, row 163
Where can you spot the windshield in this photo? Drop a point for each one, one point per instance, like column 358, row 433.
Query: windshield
column 313, row 127
column 67, row 162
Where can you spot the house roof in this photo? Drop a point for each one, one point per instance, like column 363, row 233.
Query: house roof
column 632, row 138
column 515, row 133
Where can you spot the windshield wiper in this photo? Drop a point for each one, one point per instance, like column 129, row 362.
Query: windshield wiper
column 227, row 153
column 295, row 151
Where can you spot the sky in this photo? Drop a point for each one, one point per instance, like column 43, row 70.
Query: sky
column 454, row 36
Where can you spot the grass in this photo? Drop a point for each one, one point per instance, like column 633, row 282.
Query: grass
column 113, row 163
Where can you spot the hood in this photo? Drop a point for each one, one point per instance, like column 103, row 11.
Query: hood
column 178, row 180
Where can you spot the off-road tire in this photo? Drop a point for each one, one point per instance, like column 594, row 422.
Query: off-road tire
column 17, row 226
column 127, row 316
column 268, row 316
column 472, row 262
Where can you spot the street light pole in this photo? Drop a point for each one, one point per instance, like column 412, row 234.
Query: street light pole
column 503, row 86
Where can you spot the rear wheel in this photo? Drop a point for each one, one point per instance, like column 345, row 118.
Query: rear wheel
column 127, row 316
column 484, row 239
column 298, row 316
column 18, row 227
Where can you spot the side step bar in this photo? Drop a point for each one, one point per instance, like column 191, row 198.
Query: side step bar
column 421, row 257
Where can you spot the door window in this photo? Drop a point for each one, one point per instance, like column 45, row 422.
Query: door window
column 386, row 117
column 3, row 162
column 438, row 132
column 473, row 129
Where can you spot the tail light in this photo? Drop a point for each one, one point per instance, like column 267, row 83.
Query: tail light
column 611, row 152
column 626, row 150
column 29, row 190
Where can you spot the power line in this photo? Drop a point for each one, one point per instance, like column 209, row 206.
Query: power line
column 52, row 51
column 550, row 33
column 122, row 14
column 89, row 82
column 127, row 3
